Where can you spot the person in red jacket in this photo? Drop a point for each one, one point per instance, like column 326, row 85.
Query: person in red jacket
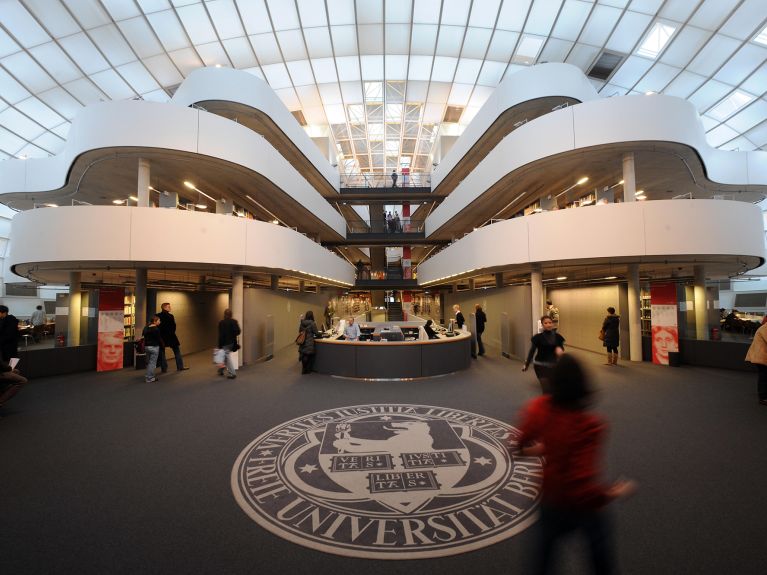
column 560, row 427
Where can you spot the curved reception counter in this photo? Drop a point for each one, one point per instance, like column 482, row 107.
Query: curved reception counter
column 393, row 359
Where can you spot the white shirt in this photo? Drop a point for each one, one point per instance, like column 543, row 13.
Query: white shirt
column 38, row 317
column 352, row 332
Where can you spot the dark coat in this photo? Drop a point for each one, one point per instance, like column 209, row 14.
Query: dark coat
column 308, row 325
column 228, row 330
column 481, row 320
column 152, row 336
column 459, row 320
column 9, row 337
column 611, row 327
column 168, row 329
column 430, row 332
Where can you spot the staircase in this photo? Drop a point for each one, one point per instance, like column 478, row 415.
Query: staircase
column 394, row 311
column 394, row 271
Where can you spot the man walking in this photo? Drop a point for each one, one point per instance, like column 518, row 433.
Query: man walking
column 168, row 335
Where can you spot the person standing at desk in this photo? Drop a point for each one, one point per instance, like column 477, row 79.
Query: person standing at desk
column 9, row 334
column 459, row 321
column 352, row 330
column 430, row 330
column 38, row 323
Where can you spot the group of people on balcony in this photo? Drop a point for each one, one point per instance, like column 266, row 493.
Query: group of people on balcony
column 393, row 223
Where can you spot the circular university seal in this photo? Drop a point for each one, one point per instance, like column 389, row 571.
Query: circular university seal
column 388, row 481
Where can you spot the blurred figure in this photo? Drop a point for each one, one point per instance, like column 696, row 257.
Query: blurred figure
column 561, row 428
column 10, row 382
column 394, row 178
column 757, row 354
column 152, row 345
column 307, row 348
column 481, row 318
column 9, row 334
column 546, row 346
column 352, row 330
column 553, row 312
column 611, row 329
column 38, row 323
column 459, row 320
column 430, row 330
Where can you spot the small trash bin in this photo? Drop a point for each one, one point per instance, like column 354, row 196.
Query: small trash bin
column 674, row 358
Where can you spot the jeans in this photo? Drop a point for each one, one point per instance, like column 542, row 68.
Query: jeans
column 228, row 360
column 176, row 353
column 152, row 351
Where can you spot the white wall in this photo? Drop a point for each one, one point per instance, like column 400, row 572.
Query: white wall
column 582, row 311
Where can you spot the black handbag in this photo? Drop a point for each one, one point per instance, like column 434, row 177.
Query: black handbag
column 235, row 345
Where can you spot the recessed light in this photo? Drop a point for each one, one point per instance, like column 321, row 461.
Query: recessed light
column 611, row 278
column 561, row 278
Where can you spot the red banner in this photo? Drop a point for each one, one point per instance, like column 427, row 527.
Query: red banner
column 109, row 354
column 665, row 331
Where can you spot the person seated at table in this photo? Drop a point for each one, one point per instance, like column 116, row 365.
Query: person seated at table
column 430, row 330
column 352, row 330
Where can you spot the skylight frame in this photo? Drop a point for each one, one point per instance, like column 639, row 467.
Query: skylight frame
column 656, row 40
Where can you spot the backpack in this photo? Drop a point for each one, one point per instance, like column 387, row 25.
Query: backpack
column 301, row 337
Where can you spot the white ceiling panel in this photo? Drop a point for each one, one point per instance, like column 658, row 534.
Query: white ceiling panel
column 119, row 9
column 169, row 30
column 309, row 96
column 348, row 68
column 330, row 94
column 746, row 21
column 283, row 14
column 277, row 76
column 396, row 67
column 742, row 64
column 61, row 101
column 240, row 52
column 324, row 70
column 372, row 67
column 49, row 142
column 7, row 44
column 491, row 74
column 212, row 54
column 484, row 13
column 345, row 40
column 449, row 40
column 85, row 54
column 455, row 12
column 684, row 45
column 758, row 135
column 750, row 116
column 468, row 70
column 541, row 17
column 630, row 71
column 709, row 123
column 646, row 6
column 163, row 68
column 289, row 98
column 712, row 13
column 309, row 14
column 318, row 42
column 513, row 15
column 225, row 19
column 709, row 94
column 292, row 45
column 57, row 63
column 54, row 17
column 371, row 39
column 571, row 20
column 301, row 72
column 480, row 96
column 417, row 91
column 720, row 135
column 443, row 69
column 502, row 45
column 266, row 48
column 62, row 130
column 397, row 38
column 254, row 16
column 141, row 37
column 426, row 11
column 677, row 10
column 420, row 68
column 10, row 143
column 439, row 92
column 32, row 151
column 112, row 44
column 86, row 91
column 628, row 32
column 600, row 25
column 715, row 53
column 757, row 81
column 197, row 24
column 351, row 92
column 583, row 56
column 149, row 6
column 423, row 39
column 460, row 94
column 740, row 144
column 113, row 85
column 555, row 50
column 19, row 124
column 657, row 78
column 34, row 108
column 340, row 11
column 476, row 42
column 24, row 27
column 138, row 77
column 22, row 67
column 186, row 60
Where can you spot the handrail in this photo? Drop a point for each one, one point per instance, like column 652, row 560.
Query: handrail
column 365, row 180
column 394, row 226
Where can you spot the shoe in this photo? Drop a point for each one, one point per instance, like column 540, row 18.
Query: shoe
column 151, row 380
column 182, row 368
column 230, row 376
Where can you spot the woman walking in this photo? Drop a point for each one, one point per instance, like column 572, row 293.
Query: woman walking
column 611, row 331
column 309, row 327
column 546, row 346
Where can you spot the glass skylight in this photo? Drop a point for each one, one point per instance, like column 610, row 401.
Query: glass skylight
column 656, row 40
column 761, row 37
column 730, row 105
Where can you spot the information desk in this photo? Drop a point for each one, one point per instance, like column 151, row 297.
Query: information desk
column 393, row 359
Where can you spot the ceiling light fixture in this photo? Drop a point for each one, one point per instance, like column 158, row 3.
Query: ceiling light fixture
column 267, row 211
column 611, row 278
column 639, row 193
column 191, row 186
column 134, row 198
column 561, row 278
column 580, row 182
column 118, row 202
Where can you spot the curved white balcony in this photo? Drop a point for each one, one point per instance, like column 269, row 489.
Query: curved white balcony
column 728, row 233
column 49, row 241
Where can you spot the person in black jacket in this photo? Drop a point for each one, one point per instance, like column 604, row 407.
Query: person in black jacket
column 481, row 321
column 307, row 348
column 430, row 330
column 547, row 346
column 611, row 329
column 168, row 333
column 228, row 330
column 9, row 334
column 459, row 321
column 10, row 382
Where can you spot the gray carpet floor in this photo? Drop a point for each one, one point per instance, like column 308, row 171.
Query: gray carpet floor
column 103, row 473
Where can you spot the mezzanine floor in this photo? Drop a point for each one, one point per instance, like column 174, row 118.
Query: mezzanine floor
column 103, row 473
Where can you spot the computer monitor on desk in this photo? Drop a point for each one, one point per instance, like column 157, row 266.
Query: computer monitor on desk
column 392, row 335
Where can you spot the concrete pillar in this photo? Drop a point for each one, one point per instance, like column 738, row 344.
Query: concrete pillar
column 140, row 303
column 142, row 192
column 536, row 295
column 75, row 309
column 472, row 284
column 499, row 280
column 274, row 282
column 635, row 314
column 629, row 177
column 237, row 305
column 301, row 286
column 699, row 287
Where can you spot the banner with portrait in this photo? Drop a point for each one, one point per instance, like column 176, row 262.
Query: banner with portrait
column 665, row 329
column 109, row 353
